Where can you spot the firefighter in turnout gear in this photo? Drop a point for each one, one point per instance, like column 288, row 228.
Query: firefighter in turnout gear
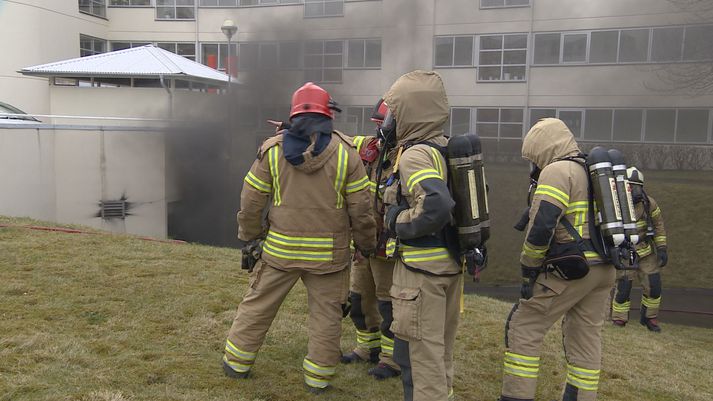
column 653, row 256
column 371, row 309
column 562, row 274
column 427, row 283
column 319, row 194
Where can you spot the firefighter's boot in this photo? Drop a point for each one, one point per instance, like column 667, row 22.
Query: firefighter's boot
column 383, row 371
column 228, row 371
column 355, row 357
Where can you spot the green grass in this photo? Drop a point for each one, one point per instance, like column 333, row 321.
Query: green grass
column 685, row 198
column 114, row 318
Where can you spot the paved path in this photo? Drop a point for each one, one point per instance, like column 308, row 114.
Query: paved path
column 688, row 306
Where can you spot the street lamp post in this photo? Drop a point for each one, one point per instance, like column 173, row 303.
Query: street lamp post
column 229, row 28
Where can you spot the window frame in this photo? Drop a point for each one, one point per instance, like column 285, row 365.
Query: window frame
column 474, row 120
column 93, row 39
column 480, row 3
column 345, row 54
column 473, row 51
column 175, row 8
column 477, row 50
column 324, row 54
column 324, row 7
column 234, row 45
column 93, row 4
column 150, row 5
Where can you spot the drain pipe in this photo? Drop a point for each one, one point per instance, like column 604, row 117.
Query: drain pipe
column 170, row 95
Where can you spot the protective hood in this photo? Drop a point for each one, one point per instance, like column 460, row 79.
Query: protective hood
column 313, row 162
column 548, row 141
column 419, row 103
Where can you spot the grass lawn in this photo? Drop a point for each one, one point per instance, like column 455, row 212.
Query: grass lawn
column 685, row 198
column 114, row 318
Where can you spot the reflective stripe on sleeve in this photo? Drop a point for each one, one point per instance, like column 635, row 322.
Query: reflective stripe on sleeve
column 358, row 141
column 257, row 183
column 553, row 192
column 358, row 185
column 273, row 158
column 340, row 179
column 420, row 176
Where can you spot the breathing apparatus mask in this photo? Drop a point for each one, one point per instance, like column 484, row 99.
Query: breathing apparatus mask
column 637, row 193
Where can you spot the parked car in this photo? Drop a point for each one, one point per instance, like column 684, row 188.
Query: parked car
column 6, row 118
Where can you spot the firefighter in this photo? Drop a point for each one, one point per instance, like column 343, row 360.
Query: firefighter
column 371, row 277
column 319, row 195
column 575, row 285
column 650, row 226
column 426, row 286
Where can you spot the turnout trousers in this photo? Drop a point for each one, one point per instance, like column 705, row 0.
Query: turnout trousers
column 649, row 275
column 372, row 309
column 582, row 306
column 426, row 313
column 268, row 288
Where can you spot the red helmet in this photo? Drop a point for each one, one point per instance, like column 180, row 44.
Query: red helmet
column 311, row 98
column 380, row 111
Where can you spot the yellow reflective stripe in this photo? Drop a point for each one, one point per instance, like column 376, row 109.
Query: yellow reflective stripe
column 238, row 353
column 238, row 367
column 303, row 242
column 660, row 239
column 390, row 247
column 656, row 212
column 387, row 345
column 420, row 176
column 646, row 251
column 342, row 162
column 314, row 382
column 414, row 254
column 257, row 183
column 520, row 372
column 313, row 368
column 621, row 307
column 368, row 335
column 553, row 192
column 372, row 186
column 358, row 185
column 532, row 252
column 591, row 255
column 641, row 224
column 436, row 156
column 585, row 379
column 296, row 255
column 651, row 302
column 522, row 359
column 358, row 141
column 273, row 158
column 579, row 206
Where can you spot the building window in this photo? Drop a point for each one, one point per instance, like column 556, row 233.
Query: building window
column 89, row 45
column 460, row 121
column 692, row 126
column 454, row 51
column 269, row 55
column 547, row 48
column 503, row 3
column 666, row 44
column 603, row 47
column 364, row 53
column 499, row 123
column 323, row 61
column 245, row 3
column 130, row 3
column 698, row 44
column 627, row 125
column 96, row 8
column 175, row 9
column 598, row 125
column 660, row 125
column 215, row 55
column 187, row 50
column 574, row 48
column 634, row 45
column 359, row 119
column 573, row 119
column 324, row 8
column 502, row 58
column 538, row 114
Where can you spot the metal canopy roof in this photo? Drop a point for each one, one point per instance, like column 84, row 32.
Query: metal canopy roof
column 139, row 62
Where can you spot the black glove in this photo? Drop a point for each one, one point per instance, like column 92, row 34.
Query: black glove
column 529, row 275
column 251, row 252
column 392, row 213
column 663, row 256
column 347, row 307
